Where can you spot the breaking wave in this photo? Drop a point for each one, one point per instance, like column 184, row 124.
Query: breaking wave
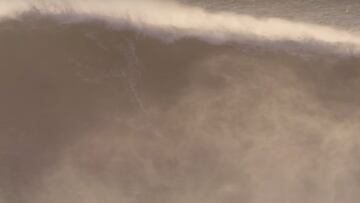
column 192, row 21
column 175, row 104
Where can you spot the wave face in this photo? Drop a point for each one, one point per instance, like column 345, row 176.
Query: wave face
column 106, row 107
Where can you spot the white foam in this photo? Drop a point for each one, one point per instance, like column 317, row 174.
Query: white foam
column 11, row 7
column 217, row 26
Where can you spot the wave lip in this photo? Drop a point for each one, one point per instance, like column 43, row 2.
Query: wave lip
column 185, row 21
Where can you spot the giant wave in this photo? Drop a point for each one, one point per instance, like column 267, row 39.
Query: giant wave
column 107, row 104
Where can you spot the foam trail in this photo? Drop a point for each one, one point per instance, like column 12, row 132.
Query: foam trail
column 196, row 21
column 220, row 24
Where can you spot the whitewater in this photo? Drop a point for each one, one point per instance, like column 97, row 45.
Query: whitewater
column 188, row 21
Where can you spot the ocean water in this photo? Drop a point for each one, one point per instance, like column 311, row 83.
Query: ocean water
column 179, row 101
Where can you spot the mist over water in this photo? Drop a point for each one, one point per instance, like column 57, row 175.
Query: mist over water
column 108, row 103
